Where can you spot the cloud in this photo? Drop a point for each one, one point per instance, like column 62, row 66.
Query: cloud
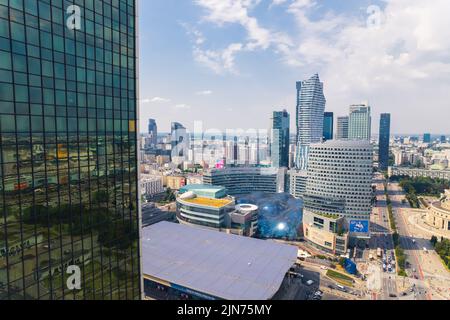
column 227, row 12
column 204, row 93
column 396, row 55
column 219, row 61
column 155, row 100
column 182, row 106
column 194, row 33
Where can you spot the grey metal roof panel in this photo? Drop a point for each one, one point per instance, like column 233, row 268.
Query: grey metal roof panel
column 226, row 266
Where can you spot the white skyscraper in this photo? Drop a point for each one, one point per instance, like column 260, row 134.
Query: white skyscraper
column 360, row 122
column 310, row 113
column 340, row 179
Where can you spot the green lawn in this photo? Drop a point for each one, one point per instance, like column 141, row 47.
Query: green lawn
column 341, row 278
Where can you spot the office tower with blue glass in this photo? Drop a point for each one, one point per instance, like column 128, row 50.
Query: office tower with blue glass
column 360, row 122
column 69, row 218
column 153, row 132
column 281, row 122
column 427, row 138
column 310, row 112
column 328, row 126
column 384, row 141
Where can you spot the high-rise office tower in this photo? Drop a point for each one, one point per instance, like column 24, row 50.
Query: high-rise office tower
column 342, row 128
column 153, row 132
column 427, row 138
column 384, row 140
column 310, row 110
column 360, row 122
column 281, row 122
column 180, row 143
column 443, row 139
column 68, row 165
column 340, row 179
column 328, row 126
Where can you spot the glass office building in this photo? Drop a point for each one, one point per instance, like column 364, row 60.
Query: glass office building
column 281, row 122
column 68, row 159
column 384, row 141
column 328, row 126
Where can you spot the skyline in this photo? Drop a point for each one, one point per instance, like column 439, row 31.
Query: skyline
column 397, row 70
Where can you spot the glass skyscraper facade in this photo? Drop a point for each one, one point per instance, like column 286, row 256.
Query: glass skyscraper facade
column 384, row 141
column 281, row 123
column 342, row 128
column 68, row 158
column 153, row 132
column 328, row 126
column 310, row 112
column 360, row 122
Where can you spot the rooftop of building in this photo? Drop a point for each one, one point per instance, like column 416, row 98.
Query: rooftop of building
column 210, row 202
column 201, row 187
column 204, row 191
column 215, row 263
column 346, row 143
column 245, row 170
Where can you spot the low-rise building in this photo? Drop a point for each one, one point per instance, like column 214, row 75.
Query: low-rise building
column 211, row 207
column 297, row 182
column 151, row 185
column 200, row 264
column 245, row 180
column 326, row 232
column 175, row 182
column 438, row 214
column 415, row 173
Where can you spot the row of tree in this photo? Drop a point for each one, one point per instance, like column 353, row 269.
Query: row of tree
column 442, row 248
column 423, row 185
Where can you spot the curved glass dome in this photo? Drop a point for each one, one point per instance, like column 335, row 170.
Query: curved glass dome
column 280, row 214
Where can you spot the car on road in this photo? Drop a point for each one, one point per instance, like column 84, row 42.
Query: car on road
column 391, row 295
column 309, row 282
column 341, row 288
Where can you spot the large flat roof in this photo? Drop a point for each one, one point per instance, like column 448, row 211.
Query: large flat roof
column 221, row 265
column 208, row 202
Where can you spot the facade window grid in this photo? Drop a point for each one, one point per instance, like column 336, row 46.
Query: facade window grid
column 59, row 165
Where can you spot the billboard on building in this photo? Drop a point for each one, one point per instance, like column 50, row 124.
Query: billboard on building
column 359, row 226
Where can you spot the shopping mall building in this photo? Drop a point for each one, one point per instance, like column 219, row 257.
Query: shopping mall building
column 211, row 207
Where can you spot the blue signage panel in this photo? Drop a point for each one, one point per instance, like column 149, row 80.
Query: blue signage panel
column 350, row 266
column 359, row 226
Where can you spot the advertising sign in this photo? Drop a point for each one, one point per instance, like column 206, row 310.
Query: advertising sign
column 359, row 226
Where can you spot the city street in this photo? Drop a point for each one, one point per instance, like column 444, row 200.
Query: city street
column 382, row 284
column 428, row 273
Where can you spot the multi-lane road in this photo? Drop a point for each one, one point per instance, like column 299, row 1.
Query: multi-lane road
column 382, row 238
column 408, row 243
